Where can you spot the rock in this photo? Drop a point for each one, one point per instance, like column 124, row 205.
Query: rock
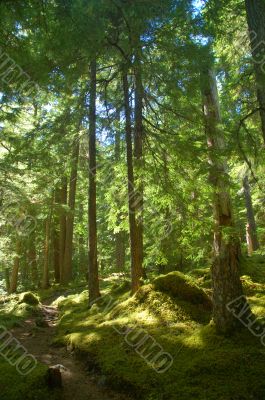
column 60, row 367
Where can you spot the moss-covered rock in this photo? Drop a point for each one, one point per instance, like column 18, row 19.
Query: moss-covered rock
column 124, row 287
column 29, row 298
column 182, row 286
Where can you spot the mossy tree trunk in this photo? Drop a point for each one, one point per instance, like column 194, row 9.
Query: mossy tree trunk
column 225, row 268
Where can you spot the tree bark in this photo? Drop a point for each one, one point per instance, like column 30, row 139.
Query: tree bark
column 68, row 255
column 227, row 286
column 82, row 254
column 32, row 257
column 55, row 236
column 62, row 235
column 136, row 253
column 93, row 283
column 256, row 22
column 7, row 279
column 45, row 277
column 252, row 237
column 138, row 152
column 14, row 274
column 120, row 237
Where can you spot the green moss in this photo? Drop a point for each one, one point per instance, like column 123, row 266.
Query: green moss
column 29, row 298
column 254, row 267
column 14, row 386
column 122, row 288
column 60, row 290
column 183, row 287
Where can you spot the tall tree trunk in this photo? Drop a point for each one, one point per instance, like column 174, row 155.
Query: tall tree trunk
column 256, row 22
column 136, row 254
column 45, row 277
column 82, row 254
column 14, row 274
column 93, row 284
column 138, row 152
column 55, row 236
column 227, row 286
column 62, row 235
column 56, row 254
column 32, row 257
column 68, row 255
column 252, row 236
column 24, row 270
column 7, row 280
column 120, row 236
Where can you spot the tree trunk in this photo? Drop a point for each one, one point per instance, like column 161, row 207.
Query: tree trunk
column 56, row 254
column 93, row 284
column 252, row 238
column 62, row 235
column 227, row 286
column 55, row 236
column 120, row 237
column 256, row 22
column 32, row 257
column 136, row 254
column 7, row 279
column 82, row 246
column 14, row 274
column 138, row 152
column 24, row 266
column 68, row 255
column 45, row 278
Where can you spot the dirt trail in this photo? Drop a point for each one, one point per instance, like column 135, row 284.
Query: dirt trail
column 78, row 384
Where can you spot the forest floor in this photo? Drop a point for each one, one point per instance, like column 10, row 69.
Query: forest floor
column 99, row 352
column 77, row 382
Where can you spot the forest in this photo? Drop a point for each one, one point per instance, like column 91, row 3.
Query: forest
column 132, row 227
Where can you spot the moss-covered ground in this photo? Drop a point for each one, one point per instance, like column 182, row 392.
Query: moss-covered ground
column 206, row 366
